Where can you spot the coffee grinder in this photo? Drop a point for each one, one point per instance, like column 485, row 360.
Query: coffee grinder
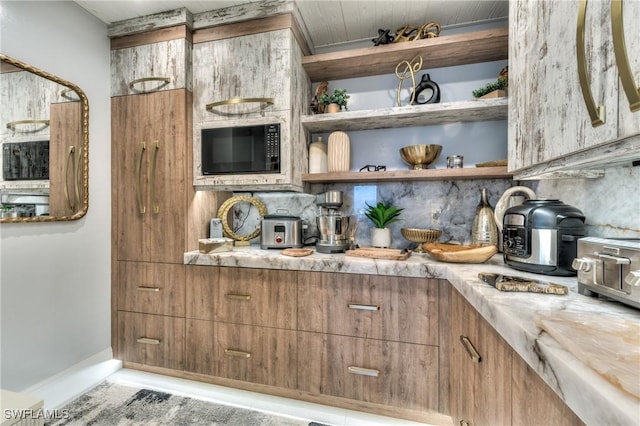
column 333, row 226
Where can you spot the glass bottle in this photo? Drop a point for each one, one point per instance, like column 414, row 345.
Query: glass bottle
column 484, row 229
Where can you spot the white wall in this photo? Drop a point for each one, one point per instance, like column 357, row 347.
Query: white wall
column 55, row 277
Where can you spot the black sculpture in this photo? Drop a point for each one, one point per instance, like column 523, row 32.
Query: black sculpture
column 383, row 37
column 426, row 83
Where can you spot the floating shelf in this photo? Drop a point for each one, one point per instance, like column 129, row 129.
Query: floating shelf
column 407, row 116
column 410, row 175
column 437, row 52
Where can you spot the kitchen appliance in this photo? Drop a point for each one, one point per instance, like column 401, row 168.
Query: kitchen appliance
column 333, row 226
column 241, row 149
column 609, row 267
column 541, row 236
column 25, row 160
column 281, row 231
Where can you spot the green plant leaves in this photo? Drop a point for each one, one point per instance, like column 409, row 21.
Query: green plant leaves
column 382, row 214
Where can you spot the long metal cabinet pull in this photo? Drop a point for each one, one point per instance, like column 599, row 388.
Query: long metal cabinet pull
column 361, row 371
column 162, row 80
column 68, row 161
column 238, row 354
column 77, row 176
column 148, row 341
column 622, row 61
column 141, row 207
column 263, row 101
column 363, row 307
column 152, row 177
column 149, row 289
column 233, row 296
column 471, row 350
column 596, row 113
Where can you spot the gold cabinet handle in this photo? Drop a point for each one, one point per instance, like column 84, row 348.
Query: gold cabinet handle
column 77, row 177
column 232, row 296
column 596, row 113
column 13, row 124
column 361, row 371
column 149, row 289
column 237, row 354
column 148, row 341
column 622, row 61
column 360, row 307
column 141, row 207
column 67, row 162
column 162, row 80
column 152, row 177
column 265, row 101
column 471, row 350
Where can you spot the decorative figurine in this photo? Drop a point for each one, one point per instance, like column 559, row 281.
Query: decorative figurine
column 383, row 37
column 316, row 106
column 411, row 67
column 426, row 83
column 410, row 33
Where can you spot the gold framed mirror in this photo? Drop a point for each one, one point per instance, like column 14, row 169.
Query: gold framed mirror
column 44, row 134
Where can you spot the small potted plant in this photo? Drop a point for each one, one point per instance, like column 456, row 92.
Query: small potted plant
column 382, row 215
column 335, row 101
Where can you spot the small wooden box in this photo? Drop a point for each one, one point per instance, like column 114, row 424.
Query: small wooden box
column 215, row 245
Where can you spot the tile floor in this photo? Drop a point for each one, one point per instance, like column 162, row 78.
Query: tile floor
column 256, row 401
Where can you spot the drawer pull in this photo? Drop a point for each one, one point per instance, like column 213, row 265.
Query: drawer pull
column 148, row 341
column 363, row 307
column 232, row 296
column 471, row 350
column 363, row 371
column 238, row 354
column 149, row 289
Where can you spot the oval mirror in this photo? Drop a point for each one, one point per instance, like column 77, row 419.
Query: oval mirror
column 44, row 133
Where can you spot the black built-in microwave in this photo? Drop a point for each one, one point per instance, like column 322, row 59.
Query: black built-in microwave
column 241, row 149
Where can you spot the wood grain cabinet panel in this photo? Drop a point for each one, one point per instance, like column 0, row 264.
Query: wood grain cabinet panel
column 152, row 288
column 152, row 340
column 377, row 307
column 248, row 353
column 242, row 296
column 391, row 373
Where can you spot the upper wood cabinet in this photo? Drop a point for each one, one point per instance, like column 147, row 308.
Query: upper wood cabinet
column 153, row 61
column 564, row 86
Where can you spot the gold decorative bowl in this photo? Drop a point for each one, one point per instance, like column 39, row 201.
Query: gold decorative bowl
column 420, row 156
column 456, row 253
column 420, row 236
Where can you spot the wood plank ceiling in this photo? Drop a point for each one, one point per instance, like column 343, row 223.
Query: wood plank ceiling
column 330, row 22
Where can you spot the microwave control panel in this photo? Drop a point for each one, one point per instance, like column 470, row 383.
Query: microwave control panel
column 272, row 137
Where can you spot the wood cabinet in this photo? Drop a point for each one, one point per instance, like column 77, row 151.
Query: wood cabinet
column 490, row 383
column 567, row 107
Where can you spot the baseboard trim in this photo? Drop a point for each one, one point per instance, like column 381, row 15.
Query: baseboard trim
column 61, row 388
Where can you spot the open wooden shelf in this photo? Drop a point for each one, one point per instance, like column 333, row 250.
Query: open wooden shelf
column 407, row 116
column 410, row 175
column 437, row 52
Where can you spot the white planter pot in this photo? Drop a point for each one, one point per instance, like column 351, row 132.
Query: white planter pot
column 380, row 237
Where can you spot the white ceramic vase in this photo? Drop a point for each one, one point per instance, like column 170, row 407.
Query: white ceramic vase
column 380, row 237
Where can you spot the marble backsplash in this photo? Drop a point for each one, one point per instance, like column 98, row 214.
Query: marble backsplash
column 611, row 204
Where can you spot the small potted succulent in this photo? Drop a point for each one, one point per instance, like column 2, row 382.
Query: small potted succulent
column 334, row 102
column 382, row 215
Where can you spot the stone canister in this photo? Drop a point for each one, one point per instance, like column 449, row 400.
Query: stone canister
column 484, row 229
column 339, row 152
column 318, row 156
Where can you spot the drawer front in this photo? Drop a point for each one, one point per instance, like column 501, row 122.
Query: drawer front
column 153, row 340
column 152, row 288
column 167, row 62
column 242, row 296
column 252, row 354
column 378, row 307
column 390, row 373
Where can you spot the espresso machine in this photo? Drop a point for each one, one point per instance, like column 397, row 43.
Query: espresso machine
column 333, row 226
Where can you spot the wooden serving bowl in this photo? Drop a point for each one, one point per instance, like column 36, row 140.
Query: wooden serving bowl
column 457, row 253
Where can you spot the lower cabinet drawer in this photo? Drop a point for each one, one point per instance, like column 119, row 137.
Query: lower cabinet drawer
column 240, row 352
column 151, row 339
column 151, row 288
column 391, row 373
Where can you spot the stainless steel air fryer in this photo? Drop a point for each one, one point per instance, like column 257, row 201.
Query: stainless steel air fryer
column 541, row 236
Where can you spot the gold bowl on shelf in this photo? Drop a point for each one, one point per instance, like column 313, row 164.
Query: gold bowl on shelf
column 420, row 156
column 420, row 236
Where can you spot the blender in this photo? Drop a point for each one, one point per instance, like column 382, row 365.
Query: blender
column 333, row 226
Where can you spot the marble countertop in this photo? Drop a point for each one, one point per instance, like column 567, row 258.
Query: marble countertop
column 593, row 398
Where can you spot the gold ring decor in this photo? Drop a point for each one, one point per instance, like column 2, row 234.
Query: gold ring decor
column 225, row 208
column 235, row 101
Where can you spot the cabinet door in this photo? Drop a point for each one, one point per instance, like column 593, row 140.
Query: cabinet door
column 390, row 373
column 240, row 352
column 547, row 113
column 251, row 66
column 66, row 189
column 377, row 307
column 480, row 369
column 149, row 166
column 242, row 296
